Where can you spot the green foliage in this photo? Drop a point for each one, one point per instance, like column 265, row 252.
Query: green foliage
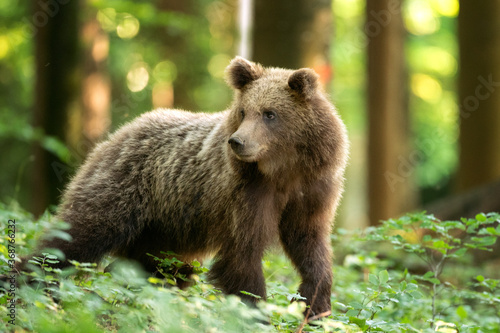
column 171, row 268
column 412, row 274
column 438, row 243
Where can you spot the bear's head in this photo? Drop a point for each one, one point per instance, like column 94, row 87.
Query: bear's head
column 281, row 120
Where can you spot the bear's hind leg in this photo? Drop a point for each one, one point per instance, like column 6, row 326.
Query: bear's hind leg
column 238, row 269
column 152, row 244
column 90, row 241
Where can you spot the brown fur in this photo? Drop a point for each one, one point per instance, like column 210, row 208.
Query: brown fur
column 170, row 181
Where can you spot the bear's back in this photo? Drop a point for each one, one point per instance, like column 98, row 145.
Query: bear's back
column 148, row 169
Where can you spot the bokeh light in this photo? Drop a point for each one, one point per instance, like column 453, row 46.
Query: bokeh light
column 426, row 87
column 420, row 18
column 107, row 19
column 447, row 8
column 433, row 59
column 138, row 77
column 4, row 46
column 128, row 26
column 218, row 64
column 165, row 71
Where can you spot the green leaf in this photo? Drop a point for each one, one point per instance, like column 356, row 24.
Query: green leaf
column 352, row 313
column 485, row 241
column 383, row 276
column 440, row 244
column 480, row 278
column 155, row 280
column 59, row 234
column 373, row 279
column 361, row 323
column 412, row 286
column 434, row 281
column 356, row 305
column 481, row 217
column 490, row 231
column 50, row 261
column 250, row 294
column 427, row 238
column 461, row 312
column 430, row 277
column 416, row 294
column 460, row 252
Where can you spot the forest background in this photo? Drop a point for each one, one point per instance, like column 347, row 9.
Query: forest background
column 417, row 83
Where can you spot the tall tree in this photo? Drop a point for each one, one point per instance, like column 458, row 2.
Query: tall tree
column 479, row 93
column 56, row 90
column 200, row 47
column 293, row 34
column 389, row 166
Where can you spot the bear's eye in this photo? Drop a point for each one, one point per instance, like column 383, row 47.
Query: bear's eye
column 269, row 115
column 242, row 113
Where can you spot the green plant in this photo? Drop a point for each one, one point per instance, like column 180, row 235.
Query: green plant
column 411, row 274
column 437, row 243
column 173, row 269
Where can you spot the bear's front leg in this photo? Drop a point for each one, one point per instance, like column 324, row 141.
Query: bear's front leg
column 310, row 253
column 305, row 227
column 239, row 268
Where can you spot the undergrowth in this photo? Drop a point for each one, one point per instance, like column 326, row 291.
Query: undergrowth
column 412, row 274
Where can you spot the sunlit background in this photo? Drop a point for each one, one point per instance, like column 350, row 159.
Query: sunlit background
column 431, row 60
column 136, row 56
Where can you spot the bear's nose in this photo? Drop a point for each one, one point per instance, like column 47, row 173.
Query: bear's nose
column 236, row 143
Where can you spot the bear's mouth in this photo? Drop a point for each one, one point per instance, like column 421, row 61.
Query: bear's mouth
column 247, row 152
column 246, row 157
column 250, row 157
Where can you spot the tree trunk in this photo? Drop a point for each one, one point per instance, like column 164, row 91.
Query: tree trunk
column 56, row 62
column 479, row 93
column 389, row 160
column 293, row 34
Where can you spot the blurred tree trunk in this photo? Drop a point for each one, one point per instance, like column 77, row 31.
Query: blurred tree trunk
column 56, row 63
column 214, row 21
column 389, row 159
column 293, row 34
column 166, row 95
column 479, row 93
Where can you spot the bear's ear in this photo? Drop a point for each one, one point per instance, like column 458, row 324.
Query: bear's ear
column 304, row 82
column 240, row 72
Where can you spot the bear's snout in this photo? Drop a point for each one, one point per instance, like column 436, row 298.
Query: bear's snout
column 244, row 148
column 237, row 144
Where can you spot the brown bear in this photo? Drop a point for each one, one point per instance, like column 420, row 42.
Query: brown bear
column 230, row 183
